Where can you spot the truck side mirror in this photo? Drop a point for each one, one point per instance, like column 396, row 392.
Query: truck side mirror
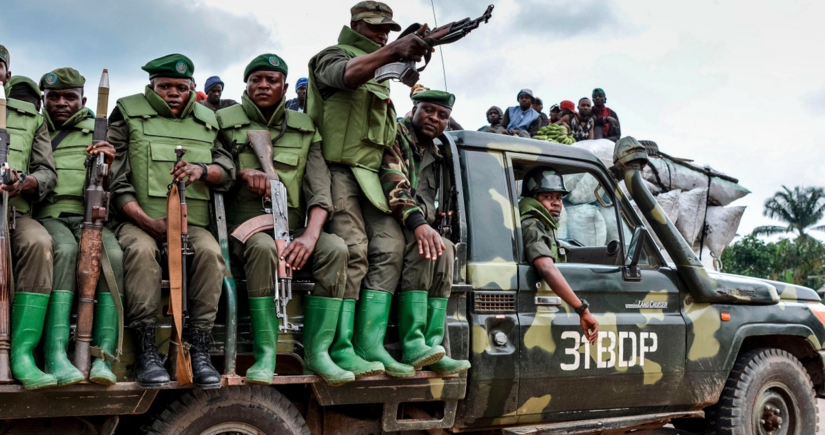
column 634, row 253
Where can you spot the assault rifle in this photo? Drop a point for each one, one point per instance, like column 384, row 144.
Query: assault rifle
column 8, row 176
column 406, row 71
column 275, row 219
column 178, row 248
column 91, row 236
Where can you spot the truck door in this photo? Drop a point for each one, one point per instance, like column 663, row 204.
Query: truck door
column 638, row 359
column 492, row 272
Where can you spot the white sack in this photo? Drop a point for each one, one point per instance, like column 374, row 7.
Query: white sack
column 669, row 202
column 691, row 214
column 722, row 225
column 586, row 224
column 602, row 148
column 561, row 231
column 581, row 187
column 676, row 176
column 610, row 224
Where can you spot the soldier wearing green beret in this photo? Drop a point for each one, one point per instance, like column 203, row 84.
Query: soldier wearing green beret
column 357, row 120
column 145, row 129
column 25, row 89
column 411, row 177
column 540, row 207
column 31, row 152
column 71, row 125
column 301, row 167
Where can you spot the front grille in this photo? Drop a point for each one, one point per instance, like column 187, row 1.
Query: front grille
column 494, row 302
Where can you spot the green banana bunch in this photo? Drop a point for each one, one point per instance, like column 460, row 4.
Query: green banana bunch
column 554, row 133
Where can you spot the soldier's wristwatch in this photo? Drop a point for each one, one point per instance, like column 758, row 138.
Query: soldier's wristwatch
column 583, row 307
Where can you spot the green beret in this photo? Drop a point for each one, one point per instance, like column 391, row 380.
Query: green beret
column 24, row 84
column 5, row 56
column 265, row 62
column 176, row 66
column 62, row 78
column 441, row 98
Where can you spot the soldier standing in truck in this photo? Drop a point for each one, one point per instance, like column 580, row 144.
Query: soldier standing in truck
column 357, row 120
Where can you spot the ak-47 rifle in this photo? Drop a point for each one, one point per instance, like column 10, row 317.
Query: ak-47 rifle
column 91, row 237
column 276, row 219
column 406, row 71
column 178, row 248
column 8, row 176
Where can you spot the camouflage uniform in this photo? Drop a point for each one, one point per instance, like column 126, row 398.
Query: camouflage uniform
column 410, row 178
column 538, row 231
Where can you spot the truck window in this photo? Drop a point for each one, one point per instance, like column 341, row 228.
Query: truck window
column 589, row 222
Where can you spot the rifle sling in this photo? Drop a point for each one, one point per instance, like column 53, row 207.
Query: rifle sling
column 59, row 138
column 111, row 282
column 173, row 219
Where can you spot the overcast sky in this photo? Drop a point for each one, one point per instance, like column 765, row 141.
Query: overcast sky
column 735, row 84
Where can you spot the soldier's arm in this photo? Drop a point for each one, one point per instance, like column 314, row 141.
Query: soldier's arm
column 317, row 187
column 42, row 176
column 119, row 184
column 361, row 69
column 397, row 188
column 221, row 172
column 537, row 249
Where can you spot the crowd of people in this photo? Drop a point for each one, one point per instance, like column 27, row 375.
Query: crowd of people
column 592, row 119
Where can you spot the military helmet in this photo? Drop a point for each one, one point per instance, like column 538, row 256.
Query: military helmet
column 542, row 179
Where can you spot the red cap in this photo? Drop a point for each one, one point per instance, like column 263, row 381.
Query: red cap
column 567, row 104
column 200, row 96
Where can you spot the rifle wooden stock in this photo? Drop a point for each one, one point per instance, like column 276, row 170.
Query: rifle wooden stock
column 253, row 226
column 261, row 144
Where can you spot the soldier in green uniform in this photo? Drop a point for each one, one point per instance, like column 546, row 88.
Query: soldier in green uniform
column 71, row 125
column 301, row 167
column 25, row 89
column 411, row 177
column 31, row 152
column 145, row 129
column 540, row 208
column 356, row 118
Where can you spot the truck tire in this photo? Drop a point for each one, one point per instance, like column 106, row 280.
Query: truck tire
column 249, row 410
column 768, row 393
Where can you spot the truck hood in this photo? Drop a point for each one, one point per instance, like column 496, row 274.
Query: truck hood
column 793, row 292
column 746, row 290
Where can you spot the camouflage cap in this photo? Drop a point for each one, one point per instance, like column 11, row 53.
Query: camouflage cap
column 441, row 98
column 62, row 78
column 175, row 66
column 266, row 62
column 24, row 84
column 374, row 13
column 5, row 56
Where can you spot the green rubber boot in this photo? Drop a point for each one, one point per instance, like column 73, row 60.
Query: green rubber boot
column 342, row 351
column 104, row 336
column 320, row 318
column 434, row 334
column 412, row 320
column 57, row 339
column 370, row 329
column 265, row 340
column 27, row 315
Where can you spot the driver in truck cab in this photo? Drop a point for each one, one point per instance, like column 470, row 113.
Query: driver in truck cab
column 540, row 208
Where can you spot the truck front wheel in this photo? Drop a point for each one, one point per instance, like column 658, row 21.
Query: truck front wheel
column 768, row 393
column 248, row 410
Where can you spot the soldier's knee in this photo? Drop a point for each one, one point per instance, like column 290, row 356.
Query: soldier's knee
column 141, row 248
column 357, row 253
column 337, row 251
column 261, row 251
column 67, row 251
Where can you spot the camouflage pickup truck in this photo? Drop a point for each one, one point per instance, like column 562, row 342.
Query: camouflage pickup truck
column 706, row 352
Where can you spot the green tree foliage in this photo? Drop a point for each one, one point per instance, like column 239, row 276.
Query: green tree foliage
column 799, row 209
column 750, row 256
column 792, row 261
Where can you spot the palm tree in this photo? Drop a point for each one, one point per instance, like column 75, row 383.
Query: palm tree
column 800, row 208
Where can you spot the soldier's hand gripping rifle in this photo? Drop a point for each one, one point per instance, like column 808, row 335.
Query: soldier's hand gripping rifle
column 8, row 176
column 276, row 219
column 406, row 71
column 178, row 248
column 89, row 264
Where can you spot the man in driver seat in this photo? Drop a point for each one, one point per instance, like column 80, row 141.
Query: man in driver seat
column 540, row 208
